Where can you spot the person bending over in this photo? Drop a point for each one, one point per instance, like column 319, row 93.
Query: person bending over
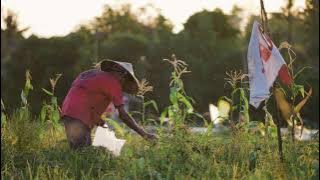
column 89, row 96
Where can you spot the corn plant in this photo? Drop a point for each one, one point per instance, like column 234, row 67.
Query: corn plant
column 144, row 87
column 23, row 111
column 27, row 87
column 269, row 125
column 51, row 111
column 291, row 110
column 236, row 80
column 181, row 104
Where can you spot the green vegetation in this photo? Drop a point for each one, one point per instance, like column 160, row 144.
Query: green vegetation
column 211, row 42
column 29, row 154
column 35, row 149
column 33, row 142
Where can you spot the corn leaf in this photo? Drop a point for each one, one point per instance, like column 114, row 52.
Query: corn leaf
column 185, row 101
column 163, row 116
column 47, row 92
column 300, row 71
column 153, row 103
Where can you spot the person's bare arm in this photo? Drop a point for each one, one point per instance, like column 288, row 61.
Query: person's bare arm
column 129, row 121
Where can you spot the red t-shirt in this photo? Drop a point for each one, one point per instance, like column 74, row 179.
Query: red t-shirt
column 91, row 93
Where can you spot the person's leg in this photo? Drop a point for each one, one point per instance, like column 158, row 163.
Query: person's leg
column 88, row 141
column 78, row 134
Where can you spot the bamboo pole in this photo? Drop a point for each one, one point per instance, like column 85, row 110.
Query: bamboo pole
column 264, row 20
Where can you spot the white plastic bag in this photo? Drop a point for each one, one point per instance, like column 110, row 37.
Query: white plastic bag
column 106, row 138
column 264, row 64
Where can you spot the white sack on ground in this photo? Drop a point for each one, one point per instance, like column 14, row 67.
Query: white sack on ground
column 106, row 138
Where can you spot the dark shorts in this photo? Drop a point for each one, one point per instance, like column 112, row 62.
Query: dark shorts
column 78, row 134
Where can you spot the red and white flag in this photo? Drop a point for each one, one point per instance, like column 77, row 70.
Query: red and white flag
column 265, row 63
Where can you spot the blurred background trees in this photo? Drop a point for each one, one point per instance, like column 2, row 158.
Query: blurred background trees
column 211, row 43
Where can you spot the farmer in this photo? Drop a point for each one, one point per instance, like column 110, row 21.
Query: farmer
column 89, row 96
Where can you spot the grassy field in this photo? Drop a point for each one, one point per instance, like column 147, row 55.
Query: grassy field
column 36, row 147
column 33, row 150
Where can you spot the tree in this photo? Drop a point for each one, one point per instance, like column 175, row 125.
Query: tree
column 312, row 29
column 11, row 36
column 210, row 44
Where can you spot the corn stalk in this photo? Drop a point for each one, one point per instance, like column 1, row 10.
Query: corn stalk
column 51, row 111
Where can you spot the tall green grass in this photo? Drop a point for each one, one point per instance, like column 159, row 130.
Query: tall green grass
column 31, row 151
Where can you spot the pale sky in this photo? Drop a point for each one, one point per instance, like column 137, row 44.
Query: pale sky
column 48, row 18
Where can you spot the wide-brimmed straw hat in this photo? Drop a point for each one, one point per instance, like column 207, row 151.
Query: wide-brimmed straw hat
column 131, row 83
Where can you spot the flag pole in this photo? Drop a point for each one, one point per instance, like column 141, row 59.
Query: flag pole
column 264, row 23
